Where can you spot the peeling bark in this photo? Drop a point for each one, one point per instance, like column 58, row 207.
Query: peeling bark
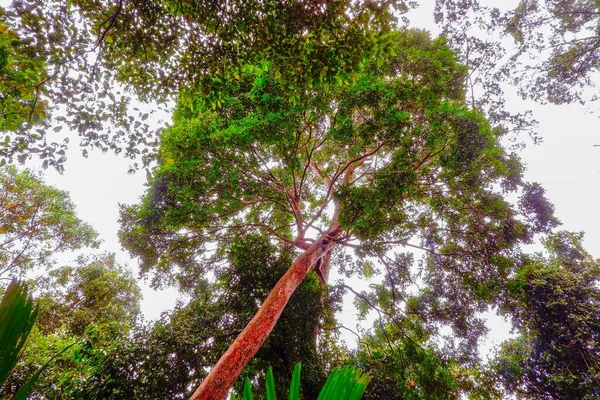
column 217, row 383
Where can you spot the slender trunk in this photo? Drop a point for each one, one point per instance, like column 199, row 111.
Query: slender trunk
column 323, row 273
column 217, row 383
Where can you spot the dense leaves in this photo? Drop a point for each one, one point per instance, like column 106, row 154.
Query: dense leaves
column 89, row 308
column 21, row 75
column 96, row 290
column 102, row 57
column 555, row 303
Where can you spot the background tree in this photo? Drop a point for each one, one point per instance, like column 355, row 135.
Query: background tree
column 36, row 222
column 96, row 290
column 385, row 156
column 554, row 301
column 548, row 49
column 565, row 33
column 92, row 306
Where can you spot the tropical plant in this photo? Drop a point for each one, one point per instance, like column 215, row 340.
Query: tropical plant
column 17, row 316
column 347, row 383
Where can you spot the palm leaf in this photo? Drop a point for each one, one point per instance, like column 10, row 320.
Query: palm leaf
column 295, row 383
column 348, row 383
column 247, row 390
column 271, row 394
column 17, row 316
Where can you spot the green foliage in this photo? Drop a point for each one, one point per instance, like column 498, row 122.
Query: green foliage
column 405, row 366
column 21, row 73
column 85, row 313
column 36, row 222
column 96, row 290
column 158, row 49
column 390, row 155
column 295, row 121
column 555, row 303
column 295, row 383
column 173, row 353
column 347, row 383
column 213, row 181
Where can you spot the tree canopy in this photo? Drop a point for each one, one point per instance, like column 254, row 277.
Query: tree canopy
column 102, row 58
column 98, row 53
column 308, row 139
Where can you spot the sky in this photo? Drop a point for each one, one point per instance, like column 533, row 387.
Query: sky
column 566, row 164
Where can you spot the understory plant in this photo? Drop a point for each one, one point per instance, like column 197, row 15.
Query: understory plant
column 347, row 383
column 17, row 316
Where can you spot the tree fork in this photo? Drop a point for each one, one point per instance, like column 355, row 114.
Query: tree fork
column 217, row 383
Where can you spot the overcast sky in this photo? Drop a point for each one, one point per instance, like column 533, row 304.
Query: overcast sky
column 566, row 164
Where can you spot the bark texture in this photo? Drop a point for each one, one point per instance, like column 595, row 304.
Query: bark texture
column 217, row 383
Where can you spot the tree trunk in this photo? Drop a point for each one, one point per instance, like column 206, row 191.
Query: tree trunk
column 217, row 383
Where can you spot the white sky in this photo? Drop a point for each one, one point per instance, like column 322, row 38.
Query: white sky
column 566, row 164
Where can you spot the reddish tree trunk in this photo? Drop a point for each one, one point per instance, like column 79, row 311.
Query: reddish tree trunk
column 216, row 385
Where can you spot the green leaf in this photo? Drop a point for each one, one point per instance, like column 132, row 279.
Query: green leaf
column 348, row 383
column 295, row 383
column 271, row 394
column 18, row 314
column 323, row 72
column 247, row 390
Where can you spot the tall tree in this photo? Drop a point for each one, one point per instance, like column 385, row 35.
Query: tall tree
column 36, row 222
column 387, row 155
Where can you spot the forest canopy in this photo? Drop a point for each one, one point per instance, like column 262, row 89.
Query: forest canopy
column 313, row 145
